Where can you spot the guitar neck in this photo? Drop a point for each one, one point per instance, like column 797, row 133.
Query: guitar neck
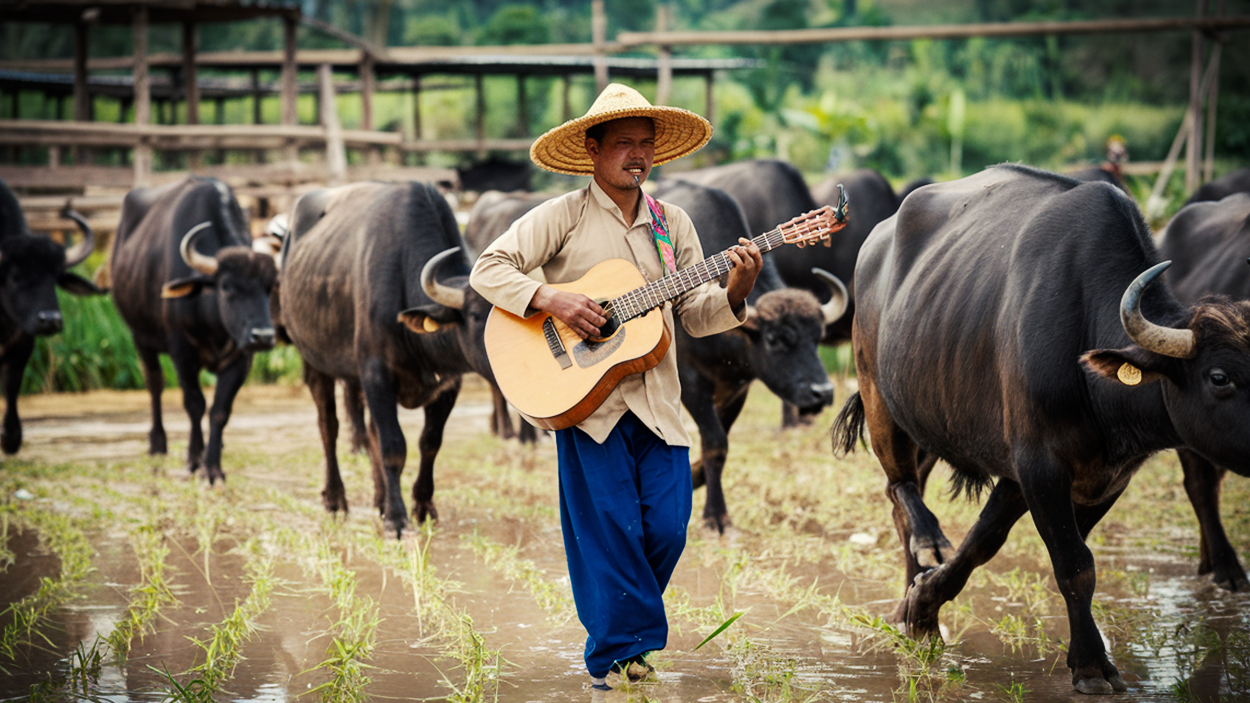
column 643, row 299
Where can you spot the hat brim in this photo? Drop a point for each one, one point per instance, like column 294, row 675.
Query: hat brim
column 678, row 132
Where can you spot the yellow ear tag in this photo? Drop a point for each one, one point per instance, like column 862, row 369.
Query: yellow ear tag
column 431, row 326
column 1128, row 374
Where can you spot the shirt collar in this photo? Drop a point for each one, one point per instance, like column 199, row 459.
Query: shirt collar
column 603, row 200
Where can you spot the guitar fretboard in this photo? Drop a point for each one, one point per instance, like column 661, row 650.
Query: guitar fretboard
column 644, row 299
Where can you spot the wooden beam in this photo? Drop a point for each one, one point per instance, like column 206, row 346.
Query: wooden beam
column 630, row 40
column 142, row 156
column 1193, row 154
column 180, row 137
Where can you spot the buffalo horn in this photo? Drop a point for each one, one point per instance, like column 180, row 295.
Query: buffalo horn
column 838, row 302
column 1178, row 344
column 79, row 254
column 446, row 296
column 206, row 265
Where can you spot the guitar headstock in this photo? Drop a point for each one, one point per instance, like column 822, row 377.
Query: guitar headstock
column 817, row 225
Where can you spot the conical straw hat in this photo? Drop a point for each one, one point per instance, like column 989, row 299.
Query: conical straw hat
column 678, row 132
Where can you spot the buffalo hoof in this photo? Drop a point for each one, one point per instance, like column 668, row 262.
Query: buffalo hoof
column 917, row 613
column 1231, row 579
column 716, row 524
column 334, row 501
column 156, row 443
column 395, row 526
column 1097, row 685
column 425, row 510
column 11, row 442
column 930, row 551
column 215, row 475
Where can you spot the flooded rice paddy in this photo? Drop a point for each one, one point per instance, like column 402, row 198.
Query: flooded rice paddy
column 124, row 580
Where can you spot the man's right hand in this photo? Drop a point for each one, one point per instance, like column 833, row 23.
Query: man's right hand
column 579, row 312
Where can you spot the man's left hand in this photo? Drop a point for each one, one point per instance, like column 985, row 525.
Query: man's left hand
column 747, row 262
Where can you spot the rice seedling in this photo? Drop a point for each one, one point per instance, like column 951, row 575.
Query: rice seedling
column 555, row 599
column 24, row 618
column 762, row 676
column 1013, row 692
column 222, row 650
column 150, row 594
column 84, row 669
column 353, row 633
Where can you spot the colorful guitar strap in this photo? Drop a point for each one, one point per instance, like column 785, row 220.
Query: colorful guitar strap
column 659, row 229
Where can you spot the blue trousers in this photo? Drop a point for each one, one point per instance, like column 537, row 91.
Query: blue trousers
column 624, row 507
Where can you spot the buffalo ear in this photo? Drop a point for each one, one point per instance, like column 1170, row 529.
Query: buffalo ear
column 426, row 318
column 78, row 285
column 185, row 287
column 1131, row 366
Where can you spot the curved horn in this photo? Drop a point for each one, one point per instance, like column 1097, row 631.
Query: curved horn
column 1178, row 344
column 838, row 302
column 206, row 265
column 78, row 254
column 439, row 293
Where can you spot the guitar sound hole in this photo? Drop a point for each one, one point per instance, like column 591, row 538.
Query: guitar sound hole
column 609, row 328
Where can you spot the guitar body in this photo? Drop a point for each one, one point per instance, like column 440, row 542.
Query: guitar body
column 557, row 384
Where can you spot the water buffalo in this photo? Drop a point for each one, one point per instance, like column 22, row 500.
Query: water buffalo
column 1232, row 182
column 1006, row 322
column 1208, row 243
column 31, row 268
column 496, row 174
column 777, row 344
column 188, row 284
column 362, row 302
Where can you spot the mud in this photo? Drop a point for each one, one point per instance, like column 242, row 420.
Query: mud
column 1170, row 631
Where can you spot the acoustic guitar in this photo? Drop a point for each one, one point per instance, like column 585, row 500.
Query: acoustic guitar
column 558, row 379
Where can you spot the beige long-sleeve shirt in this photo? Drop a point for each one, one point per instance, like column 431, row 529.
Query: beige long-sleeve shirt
column 568, row 235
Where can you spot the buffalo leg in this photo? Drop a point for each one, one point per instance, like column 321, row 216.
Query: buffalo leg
column 373, row 445
column 924, row 544
column 713, row 449
column 154, row 379
column 919, row 609
column 187, row 366
column 500, row 418
column 15, row 359
column 1216, row 556
column 436, row 414
column 354, row 405
column 229, row 381
column 1047, row 487
column 392, row 450
column 333, row 497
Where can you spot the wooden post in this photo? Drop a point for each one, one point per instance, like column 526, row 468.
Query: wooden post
column 709, row 101
column 1208, row 169
column 416, row 106
column 290, row 89
column 367, row 85
column 190, row 84
column 54, row 156
column 522, row 107
column 664, row 79
column 566, row 108
column 599, row 32
column 219, row 117
column 481, row 115
column 336, row 154
column 142, row 158
column 1193, row 154
column 81, row 99
column 256, row 115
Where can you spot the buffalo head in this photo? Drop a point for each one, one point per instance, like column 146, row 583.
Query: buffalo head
column 456, row 310
column 1203, row 369
column 241, row 280
column 785, row 328
column 31, row 268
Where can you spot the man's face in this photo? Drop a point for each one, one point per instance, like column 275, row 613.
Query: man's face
column 627, row 150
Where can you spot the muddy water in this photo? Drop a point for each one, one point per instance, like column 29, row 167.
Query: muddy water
column 1162, row 621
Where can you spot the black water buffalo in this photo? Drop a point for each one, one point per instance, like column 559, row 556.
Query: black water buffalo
column 490, row 217
column 31, row 268
column 496, row 174
column 777, row 344
column 1107, row 173
column 1006, row 322
column 1232, row 182
column 769, row 191
column 359, row 271
column 188, row 284
column 1209, row 245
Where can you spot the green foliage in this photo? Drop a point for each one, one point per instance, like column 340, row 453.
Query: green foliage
column 515, row 24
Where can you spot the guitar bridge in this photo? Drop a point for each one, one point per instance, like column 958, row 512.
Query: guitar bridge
column 555, row 344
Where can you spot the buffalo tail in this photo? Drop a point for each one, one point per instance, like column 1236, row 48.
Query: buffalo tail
column 848, row 426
